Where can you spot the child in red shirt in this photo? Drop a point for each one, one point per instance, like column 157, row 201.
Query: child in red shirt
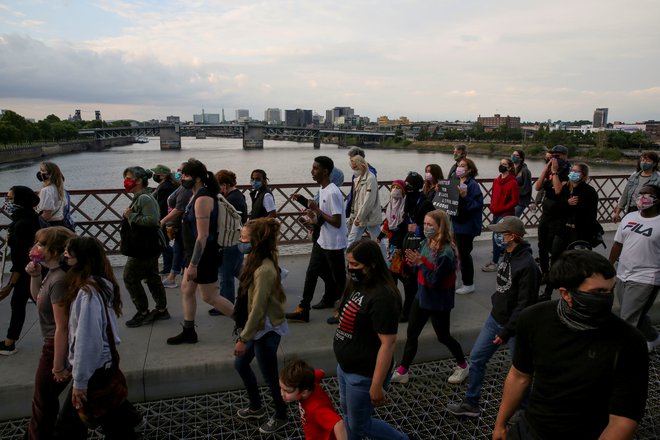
column 300, row 382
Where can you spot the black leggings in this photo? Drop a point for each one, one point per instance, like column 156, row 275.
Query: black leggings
column 440, row 321
column 19, row 298
column 464, row 243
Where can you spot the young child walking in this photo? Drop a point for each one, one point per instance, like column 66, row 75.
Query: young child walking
column 301, row 383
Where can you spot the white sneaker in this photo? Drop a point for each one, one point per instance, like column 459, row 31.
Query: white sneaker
column 168, row 284
column 490, row 267
column 459, row 375
column 652, row 345
column 400, row 378
column 465, row 289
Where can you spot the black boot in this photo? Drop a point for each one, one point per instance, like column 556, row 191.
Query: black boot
column 187, row 336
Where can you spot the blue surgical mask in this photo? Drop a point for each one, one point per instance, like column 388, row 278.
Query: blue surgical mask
column 574, row 177
column 244, row 248
column 515, row 159
column 499, row 241
column 255, row 184
column 645, row 166
column 429, row 232
column 177, row 175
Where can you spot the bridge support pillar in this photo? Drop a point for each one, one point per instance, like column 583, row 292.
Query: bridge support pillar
column 341, row 141
column 253, row 138
column 317, row 141
column 170, row 138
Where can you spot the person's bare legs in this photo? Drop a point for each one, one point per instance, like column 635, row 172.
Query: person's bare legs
column 211, row 296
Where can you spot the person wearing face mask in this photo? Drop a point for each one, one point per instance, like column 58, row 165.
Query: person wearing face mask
column 524, row 180
column 647, row 174
column 366, row 213
column 637, row 248
column 166, row 186
column 176, row 206
column 517, row 288
column 460, row 153
column 260, row 319
column 432, row 175
column 49, row 292
column 352, row 152
column 143, row 217
column 200, row 245
column 466, row 224
column 578, row 201
column 436, row 264
column 52, row 197
column 503, row 201
column 364, row 341
column 590, row 369
column 19, row 204
column 263, row 202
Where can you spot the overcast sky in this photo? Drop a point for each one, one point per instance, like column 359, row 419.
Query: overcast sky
column 425, row 59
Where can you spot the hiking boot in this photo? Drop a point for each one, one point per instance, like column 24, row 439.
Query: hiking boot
column 464, row 408
column 7, row 350
column 298, row 315
column 272, row 425
column 249, row 413
column 490, row 267
column 400, row 378
column 465, row 290
column 459, row 375
column 187, row 336
column 140, row 319
column 159, row 315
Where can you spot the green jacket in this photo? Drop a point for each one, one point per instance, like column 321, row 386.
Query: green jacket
column 262, row 301
column 145, row 210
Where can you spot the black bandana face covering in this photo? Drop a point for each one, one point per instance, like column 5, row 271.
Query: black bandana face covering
column 589, row 310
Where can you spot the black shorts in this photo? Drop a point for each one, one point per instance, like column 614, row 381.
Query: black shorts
column 207, row 269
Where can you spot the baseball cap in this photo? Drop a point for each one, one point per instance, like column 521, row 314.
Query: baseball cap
column 560, row 149
column 510, row 224
column 161, row 169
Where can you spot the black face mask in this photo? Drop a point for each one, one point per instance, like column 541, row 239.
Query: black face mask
column 188, row 183
column 588, row 311
column 42, row 176
column 157, row 179
column 503, row 168
column 357, row 275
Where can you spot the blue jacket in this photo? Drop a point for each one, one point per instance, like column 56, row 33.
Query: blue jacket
column 470, row 207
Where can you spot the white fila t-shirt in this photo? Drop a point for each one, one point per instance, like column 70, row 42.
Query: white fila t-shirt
column 640, row 256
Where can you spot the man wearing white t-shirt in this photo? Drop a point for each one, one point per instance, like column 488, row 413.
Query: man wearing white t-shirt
column 328, row 251
column 637, row 247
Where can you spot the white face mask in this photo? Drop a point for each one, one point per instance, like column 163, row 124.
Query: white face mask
column 357, row 173
column 397, row 194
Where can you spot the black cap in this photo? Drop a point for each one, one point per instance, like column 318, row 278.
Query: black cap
column 560, row 149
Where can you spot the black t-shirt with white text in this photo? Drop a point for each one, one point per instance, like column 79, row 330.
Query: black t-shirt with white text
column 363, row 316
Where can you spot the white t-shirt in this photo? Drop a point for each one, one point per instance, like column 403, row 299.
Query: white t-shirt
column 640, row 256
column 49, row 200
column 331, row 202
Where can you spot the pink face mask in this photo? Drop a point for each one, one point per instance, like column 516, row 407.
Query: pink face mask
column 645, row 201
column 460, row 171
column 36, row 255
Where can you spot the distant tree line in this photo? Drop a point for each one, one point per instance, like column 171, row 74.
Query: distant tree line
column 16, row 130
column 607, row 139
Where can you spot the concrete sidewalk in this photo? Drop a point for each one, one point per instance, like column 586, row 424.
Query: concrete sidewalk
column 156, row 370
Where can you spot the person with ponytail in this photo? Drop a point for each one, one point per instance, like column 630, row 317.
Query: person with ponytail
column 436, row 264
column 260, row 319
column 201, row 250
column 52, row 198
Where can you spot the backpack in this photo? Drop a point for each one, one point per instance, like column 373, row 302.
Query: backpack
column 229, row 223
column 68, row 220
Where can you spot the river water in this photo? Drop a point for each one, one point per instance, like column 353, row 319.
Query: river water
column 283, row 161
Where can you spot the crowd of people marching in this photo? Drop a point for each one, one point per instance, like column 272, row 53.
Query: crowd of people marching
column 578, row 371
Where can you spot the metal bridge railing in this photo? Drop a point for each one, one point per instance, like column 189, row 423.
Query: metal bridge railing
column 98, row 211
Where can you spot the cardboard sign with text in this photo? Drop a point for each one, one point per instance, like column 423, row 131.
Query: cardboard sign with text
column 447, row 196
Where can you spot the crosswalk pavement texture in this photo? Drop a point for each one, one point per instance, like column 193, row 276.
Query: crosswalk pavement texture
column 417, row 408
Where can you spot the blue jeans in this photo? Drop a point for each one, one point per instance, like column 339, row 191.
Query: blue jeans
column 232, row 260
column 173, row 255
column 358, row 410
column 482, row 351
column 265, row 349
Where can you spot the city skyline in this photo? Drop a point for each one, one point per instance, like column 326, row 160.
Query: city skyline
column 424, row 59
